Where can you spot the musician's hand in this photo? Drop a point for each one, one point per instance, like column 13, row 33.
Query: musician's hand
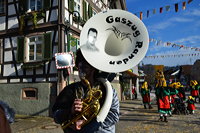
column 77, row 106
column 77, row 125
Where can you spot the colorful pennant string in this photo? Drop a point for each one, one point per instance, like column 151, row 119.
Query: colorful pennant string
column 174, row 45
column 171, row 55
column 167, row 8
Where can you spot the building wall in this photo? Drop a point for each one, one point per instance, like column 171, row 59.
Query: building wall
column 116, row 85
column 13, row 96
column 13, row 77
column 195, row 71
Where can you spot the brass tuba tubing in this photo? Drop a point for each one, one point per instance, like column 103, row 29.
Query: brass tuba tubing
column 91, row 107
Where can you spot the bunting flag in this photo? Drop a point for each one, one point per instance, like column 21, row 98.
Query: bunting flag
column 176, row 7
column 189, row 1
column 171, row 55
column 141, row 15
column 167, row 8
column 159, row 42
column 147, row 13
column 154, row 11
column 161, row 9
column 184, row 5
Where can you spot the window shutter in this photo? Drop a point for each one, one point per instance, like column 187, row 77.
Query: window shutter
column 84, row 11
column 71, row 5
column 47, row 46
column 46, row 4
column 89, row 11
column 72, row 44
column 68, row 42
column 22, row 5
column 20, row 49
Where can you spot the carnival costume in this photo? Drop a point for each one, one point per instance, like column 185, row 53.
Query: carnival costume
column 194, row 89
column 191, row 106
column 181, row 91
column 163, row 97
column 145, row 92
column 173, row 92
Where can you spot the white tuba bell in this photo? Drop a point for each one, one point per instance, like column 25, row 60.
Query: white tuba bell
column 113, row 41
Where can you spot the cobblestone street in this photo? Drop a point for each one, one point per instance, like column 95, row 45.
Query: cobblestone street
column 140, row 120
column 133, row 119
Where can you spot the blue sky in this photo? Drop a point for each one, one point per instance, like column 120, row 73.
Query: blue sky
column 179, row 28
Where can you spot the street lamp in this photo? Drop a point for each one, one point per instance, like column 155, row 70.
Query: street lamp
column 67, row 30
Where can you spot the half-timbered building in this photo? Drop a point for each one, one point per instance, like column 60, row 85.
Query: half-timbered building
column 31, row 32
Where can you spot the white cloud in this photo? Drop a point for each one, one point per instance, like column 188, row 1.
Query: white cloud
column 189, row 40
column 168, row 23
column 181, row 19
column 193, row 12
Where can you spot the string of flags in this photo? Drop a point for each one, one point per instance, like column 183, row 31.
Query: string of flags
column 164, row 8
column 159, row 42
column 168, row 56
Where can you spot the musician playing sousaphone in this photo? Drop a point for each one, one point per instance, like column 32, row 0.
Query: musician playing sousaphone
column 69, row 102
column 91, row 105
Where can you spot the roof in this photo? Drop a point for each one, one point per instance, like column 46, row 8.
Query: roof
column 133, row 72
column 176, row 72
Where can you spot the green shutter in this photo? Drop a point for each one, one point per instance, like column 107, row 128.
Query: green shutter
column 68, row 42
column 71, row 5
column 47, row 46
column 20, row 49
column 73, row 44
column 46, row 4
column 90, row 11
column 84, row 11
column 22, row 5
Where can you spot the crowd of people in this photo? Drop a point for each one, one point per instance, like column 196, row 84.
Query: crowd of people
column 171, row 98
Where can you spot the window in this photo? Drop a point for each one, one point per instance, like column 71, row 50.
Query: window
column 29, row 93
column 77, row 5
column 2, row 6
column 35, row 48
column 34, row 5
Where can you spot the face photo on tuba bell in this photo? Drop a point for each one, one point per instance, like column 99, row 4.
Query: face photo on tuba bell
column 91, row 105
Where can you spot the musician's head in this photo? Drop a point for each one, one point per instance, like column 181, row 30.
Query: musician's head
column 84, row 68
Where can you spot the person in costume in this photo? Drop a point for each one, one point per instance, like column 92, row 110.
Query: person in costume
column 197, row 87
column 134, row 92
column 194, row 89
column 145, row 92
column 69, row 102
column 191, row 106
column 181, row 91
column 163, row 98
column 173, row 94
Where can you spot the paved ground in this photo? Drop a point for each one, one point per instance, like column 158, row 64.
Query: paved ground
column 26, row 124
column 133, row 119
column 140, row 120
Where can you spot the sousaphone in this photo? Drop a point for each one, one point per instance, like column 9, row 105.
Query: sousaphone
column 112, row 41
